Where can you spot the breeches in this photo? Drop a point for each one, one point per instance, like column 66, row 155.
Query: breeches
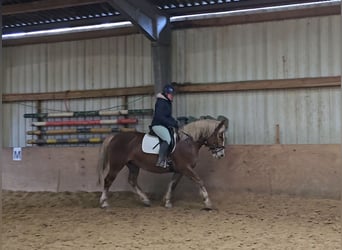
column 162, row 132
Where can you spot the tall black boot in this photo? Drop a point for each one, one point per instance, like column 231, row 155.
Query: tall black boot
column 163, row 148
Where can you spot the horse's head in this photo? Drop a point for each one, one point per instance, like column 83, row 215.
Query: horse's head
column 207, row 132
column 215, row 142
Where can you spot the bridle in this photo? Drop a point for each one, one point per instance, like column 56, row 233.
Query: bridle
column 214, row 149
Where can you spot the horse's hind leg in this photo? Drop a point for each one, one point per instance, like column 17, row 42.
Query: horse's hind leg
column 107, row 183
column 114, row 169
column 171, row 187
column 133, row 181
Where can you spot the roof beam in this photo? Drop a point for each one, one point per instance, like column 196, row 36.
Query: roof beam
column 231, row 6
column 144, row 15
column 65, row 24
column 74, row 36
column 259, row 17
column 13, row 9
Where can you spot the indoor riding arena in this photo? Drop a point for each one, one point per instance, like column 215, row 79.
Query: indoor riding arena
column 267, row 71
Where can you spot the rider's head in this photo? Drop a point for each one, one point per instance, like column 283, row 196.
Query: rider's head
column 169, row 91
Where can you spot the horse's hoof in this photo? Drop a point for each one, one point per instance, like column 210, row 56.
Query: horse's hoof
column 147, row 203
column 104, row 205
column 168, row 205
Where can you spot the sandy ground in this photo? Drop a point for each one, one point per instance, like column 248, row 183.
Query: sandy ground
column 242, row 221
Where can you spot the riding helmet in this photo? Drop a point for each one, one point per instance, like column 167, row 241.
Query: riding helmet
column 169, row 89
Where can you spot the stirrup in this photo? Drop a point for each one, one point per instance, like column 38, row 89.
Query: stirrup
column 162, row 164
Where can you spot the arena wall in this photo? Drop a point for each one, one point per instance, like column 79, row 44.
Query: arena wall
column 304, row 170
column 280, row 49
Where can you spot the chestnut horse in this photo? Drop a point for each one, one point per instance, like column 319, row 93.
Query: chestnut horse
column 125, row 149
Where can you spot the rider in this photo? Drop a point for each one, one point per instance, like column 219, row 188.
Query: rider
column 163, row 121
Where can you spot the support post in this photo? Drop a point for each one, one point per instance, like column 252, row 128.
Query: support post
column 161, row 55
column 156, row 26
column 1, row 116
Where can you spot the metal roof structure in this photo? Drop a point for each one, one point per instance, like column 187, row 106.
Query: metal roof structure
column 35, row 15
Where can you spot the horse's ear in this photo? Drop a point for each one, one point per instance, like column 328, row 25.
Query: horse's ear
column 225, row 119
column 220, row 126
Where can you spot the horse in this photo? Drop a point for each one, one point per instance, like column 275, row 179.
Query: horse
column 125, row 149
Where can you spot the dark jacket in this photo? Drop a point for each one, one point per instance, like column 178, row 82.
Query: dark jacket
column 163, row 113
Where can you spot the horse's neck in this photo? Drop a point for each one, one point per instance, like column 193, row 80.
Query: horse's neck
column 197, row 137
column 189, row 142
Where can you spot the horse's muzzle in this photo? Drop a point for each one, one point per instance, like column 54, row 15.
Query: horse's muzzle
column 218, row 152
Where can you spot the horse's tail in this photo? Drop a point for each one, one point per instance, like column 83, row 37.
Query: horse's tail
column 103, row 164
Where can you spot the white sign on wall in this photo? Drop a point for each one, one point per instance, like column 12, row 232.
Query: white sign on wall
column 17, row 154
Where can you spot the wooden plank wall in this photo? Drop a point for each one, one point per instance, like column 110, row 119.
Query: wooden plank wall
column 309, row 82
column 303, row 170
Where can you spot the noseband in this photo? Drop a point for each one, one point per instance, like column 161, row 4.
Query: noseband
column 214, row 148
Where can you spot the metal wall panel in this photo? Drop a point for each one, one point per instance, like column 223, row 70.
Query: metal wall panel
column 305, row 116
column 78, row 65
column 307, row 47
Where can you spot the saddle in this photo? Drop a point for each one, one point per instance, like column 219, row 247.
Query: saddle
column 150, row 143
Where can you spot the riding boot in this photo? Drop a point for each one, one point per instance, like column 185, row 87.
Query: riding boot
column 163, row 148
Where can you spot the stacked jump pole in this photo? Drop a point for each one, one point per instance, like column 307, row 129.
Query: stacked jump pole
column 69, row 123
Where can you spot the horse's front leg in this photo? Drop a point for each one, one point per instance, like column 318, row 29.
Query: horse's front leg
column 171, row 187
column 104, row 199
column 189, row 172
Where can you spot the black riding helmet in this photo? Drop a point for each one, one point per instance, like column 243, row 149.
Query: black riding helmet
column 168, row 89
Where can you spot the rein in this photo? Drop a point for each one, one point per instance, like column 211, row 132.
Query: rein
column 189, row 136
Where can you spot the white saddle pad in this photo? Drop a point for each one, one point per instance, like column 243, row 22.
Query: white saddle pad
column 150, row 144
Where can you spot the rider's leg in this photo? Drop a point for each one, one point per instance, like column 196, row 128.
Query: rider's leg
column 163, row 150
column 164, row 135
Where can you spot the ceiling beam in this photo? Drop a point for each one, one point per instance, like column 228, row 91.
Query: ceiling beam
column 21, row 8
column 64, row 24
column 144, row 15
column 231, row 6
column 75, row 36
column 258, row 17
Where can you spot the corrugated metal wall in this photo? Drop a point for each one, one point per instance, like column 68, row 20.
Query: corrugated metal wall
column 308, row 47
column 79, row 65
column 310, row 116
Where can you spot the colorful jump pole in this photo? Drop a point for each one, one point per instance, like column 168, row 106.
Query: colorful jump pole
column 86, row 122
column 90, row 113
column 66, row 141
column 79, row 131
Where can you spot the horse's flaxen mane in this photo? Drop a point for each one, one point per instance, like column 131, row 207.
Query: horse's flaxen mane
column 199, row 129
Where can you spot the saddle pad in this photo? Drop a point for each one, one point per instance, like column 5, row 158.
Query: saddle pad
column 150, row 144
